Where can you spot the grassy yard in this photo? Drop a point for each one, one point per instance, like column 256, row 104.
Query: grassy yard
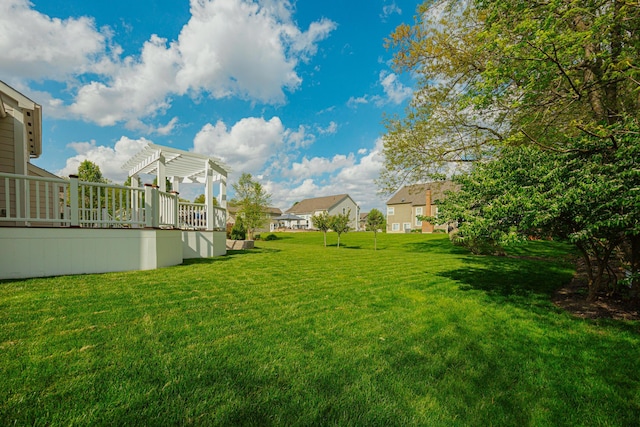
column 293, row 333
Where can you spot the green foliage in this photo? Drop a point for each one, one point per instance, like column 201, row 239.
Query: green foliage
column 252, row 201
column 199, row 199
column 238, row 231
column 292, row 334
column 587, row 195
column 90, row 172
column 492, row 73
column 322, row 222
column 270, row 237
column 375, row 221
column 340, row 223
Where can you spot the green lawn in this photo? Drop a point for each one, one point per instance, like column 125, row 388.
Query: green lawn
column 293, row 333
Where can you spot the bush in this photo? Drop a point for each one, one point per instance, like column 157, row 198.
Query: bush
column 238, row 232
column 270, row 236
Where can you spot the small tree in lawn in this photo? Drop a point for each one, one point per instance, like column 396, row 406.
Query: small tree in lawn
column 375, row 222
column 322, row 221
column 340, row 223
column 252, row 200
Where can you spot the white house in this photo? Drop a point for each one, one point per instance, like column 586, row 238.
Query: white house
column 338, row 204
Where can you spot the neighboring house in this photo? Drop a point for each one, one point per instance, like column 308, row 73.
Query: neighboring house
column 412, row 201
column 338, row 204
column 52, row 226
column 270, row 214
column 363, row 220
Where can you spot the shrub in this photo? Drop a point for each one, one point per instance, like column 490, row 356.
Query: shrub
column 271, row 236
column 238, row 232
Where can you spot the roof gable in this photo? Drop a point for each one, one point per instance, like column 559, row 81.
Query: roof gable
column 317, row 204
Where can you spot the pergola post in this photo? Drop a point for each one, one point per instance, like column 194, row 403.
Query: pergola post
column 208, row 195
column 223, row 192
column 134, row 199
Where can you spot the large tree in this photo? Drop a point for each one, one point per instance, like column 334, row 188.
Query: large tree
column 491, row 73
column 252, row 200
column 561, row 77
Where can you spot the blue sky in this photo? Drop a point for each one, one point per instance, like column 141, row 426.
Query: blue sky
column 292, row 92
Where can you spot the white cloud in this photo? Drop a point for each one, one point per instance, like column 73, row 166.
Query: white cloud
column 353, row 102
column 318, row 165
column 110, row 160
column 162, row 130
column 246, row 147
column 228, row 48
column 396, row 92
column 33, row 45
column 244, row 49
column 139, row 87
column 329, row 130
column 390, row 9
column 300, row 138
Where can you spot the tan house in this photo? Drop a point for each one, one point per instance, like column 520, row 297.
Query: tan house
column 270, row 223
column 334, row 205
column 53, row 226
column 412, row 201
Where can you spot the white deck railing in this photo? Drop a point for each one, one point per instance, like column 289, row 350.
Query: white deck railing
column 26, row 201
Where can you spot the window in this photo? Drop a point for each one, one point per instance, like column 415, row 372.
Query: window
column 391, row 211
column 418, row 213
column 407, row 226
column 395, row 226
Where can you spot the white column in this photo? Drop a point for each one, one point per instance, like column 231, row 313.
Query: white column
column 222, row 198
column 208, row 195
column 73, row 201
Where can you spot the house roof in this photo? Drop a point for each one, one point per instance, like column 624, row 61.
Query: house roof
column 317, row 204
column 415, row 194
column 38, row 171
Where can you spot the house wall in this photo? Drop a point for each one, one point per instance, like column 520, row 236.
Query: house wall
column 403, row 214
column 346, row 205
column 39, row 252
column 406, row 213
column 7, row 145
column 203, row 244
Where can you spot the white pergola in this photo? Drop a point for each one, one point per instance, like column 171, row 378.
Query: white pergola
column 180, row 167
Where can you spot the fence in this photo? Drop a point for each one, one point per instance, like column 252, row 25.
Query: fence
column 27, row 201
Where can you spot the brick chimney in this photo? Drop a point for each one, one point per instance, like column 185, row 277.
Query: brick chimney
column 427, row 227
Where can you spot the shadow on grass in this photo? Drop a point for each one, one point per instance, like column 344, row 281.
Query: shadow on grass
column 439, row 246
column 517, row 281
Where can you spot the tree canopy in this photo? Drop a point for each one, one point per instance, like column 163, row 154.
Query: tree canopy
column 252, row 200
column 90, row 172
column 494, row 73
